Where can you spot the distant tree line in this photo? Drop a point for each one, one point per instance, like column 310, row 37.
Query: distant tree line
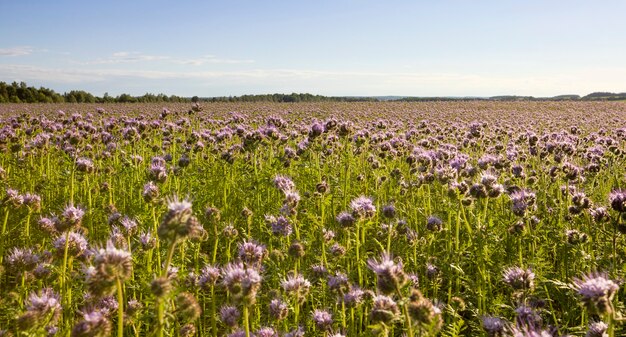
column 288, row 98
column 22, row 93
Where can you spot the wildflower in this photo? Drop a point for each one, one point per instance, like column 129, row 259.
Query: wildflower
column 48, row 225
column 575, row 237
column 423, row 311
column 526, row 316
column 597, row 329
column 33, row 201
column 251, row 252
column 478, row 191
column 229, row 315
column 179, row 222
column 278, row 309
column 110, row 264
column 618, row 200
column 319, row 270
column 519, row 279
column 77, row 244
column 296, row 250
column 338, row 283
column 158, row 170
column 84, row 165
column 147, row 241
column 284, row 184
column 596, row 292
column 494, row 326
column 242, row 283
column 94, row 324
column 599, row 214
column 187, row 307
column 266, row 332
column 384, row 309
column 280, row 226
column 528, row 331
column 328, row 235
column 345, row 219
column 71, row 217
column 296, row 286
column 208, row 276
column 389, row 211
column 434, row 223
column 390, row 275
column 353, row 297
column 362, row 207
column 160, row 286
column 187, row 330
column 43, row 308
column 129, row 225
column 323, row 319
column 133, row 307
column 150, row 191
column 238, row 333
column 521, row 201
column 322, row 187
column 337, row 249
column 213, row 213
column 14, row 198
column 22, row 259
column 230, row 232
column 292, row 199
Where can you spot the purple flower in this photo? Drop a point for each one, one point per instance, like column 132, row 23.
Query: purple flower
column 494, row 326
column 362, row 207
column 251, row 252
column 519, row 279
column 596, row 291
column 243, row 283
column 384, row 309
column 284, row 184
column 597, row 329
column 323, row 319
column 390, row 275
column 618, row 200
column 296, row 286
column 345, row 219
column 230, row 315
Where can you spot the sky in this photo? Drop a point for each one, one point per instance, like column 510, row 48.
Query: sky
column 334, row 48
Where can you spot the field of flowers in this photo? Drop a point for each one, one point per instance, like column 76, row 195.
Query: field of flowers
column 325, row 219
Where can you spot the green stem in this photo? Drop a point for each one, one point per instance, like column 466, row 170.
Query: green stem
column 120, row 309
column 246, row 321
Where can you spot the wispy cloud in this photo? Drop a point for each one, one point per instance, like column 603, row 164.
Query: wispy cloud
column 208, row 59
column 136, row 57
column 16, row 51
column 125, row 57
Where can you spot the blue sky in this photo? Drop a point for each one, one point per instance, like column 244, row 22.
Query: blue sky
column 340, row 47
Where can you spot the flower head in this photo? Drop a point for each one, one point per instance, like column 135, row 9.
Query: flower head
column 618, row 200
column 94, row 324
column 596, row 291
column 390, row 275
column 296, row 286
column 243, row 283
column 519, row 279
column 41, row 308
column 230, row 315
column 384, row 309
column 323, row 319
column 362, row 207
